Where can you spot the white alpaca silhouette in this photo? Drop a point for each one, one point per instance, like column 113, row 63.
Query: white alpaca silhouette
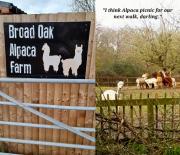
column 73, row 63
column 50, row 60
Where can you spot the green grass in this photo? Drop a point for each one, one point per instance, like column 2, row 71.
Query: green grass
column 133, row 148
column 172, row 151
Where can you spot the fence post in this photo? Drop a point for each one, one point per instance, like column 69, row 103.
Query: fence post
column 131, row 114
column 117, row 112
column 140, row 115
column 109, row 117
column 164, row 116
column 127, row 81
column 173, row 113
column 150, row 116
column 156, row 113
column 102, row 114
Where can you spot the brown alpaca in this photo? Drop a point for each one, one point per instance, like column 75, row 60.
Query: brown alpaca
column 159, row 80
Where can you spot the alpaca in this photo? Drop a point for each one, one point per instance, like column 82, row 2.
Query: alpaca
column 173, row 82
column 73, row 63
column 111, row 94
column 167, row 82
column 159, row 80
column 141, row 81
column 49, row 60
column 120, row 85
column 150, row 82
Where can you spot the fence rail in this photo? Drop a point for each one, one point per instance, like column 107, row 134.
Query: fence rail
column 111, row 81
column 36, row 80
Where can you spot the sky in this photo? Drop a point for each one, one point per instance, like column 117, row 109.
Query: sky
column 42, row 6
column 103, row 18
column 106, row 19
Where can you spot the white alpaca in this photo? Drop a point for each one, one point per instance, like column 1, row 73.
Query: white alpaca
column 111, row 94
column 73, row 63
column 151, row 81
column 141, row 81
column 120, row 85
column 50, row 60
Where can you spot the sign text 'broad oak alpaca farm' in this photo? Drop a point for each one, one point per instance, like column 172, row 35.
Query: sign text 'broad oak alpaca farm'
column 46, row 49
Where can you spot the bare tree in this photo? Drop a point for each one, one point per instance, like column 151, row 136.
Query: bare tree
column 83, row 5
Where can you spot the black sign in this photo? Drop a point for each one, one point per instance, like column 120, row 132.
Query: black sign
column 46, row 50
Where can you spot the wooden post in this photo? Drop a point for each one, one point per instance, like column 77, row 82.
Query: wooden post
column 164, row 116
column 156, row 111
column 150, row 118
column 102, row 113
column 109, row 116
column 173, row 113
column 124, row 113
column 117, row 112
column 140, row 115
column 131, row 113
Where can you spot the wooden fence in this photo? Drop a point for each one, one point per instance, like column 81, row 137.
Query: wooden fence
column 42, row 93
column 111, row 81
column 148, row 116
